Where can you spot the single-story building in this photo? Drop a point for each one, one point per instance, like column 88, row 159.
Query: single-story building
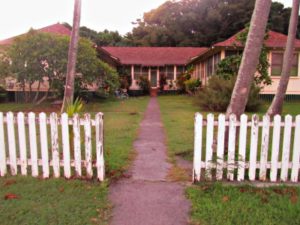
column 205, row 64
column 170, row 62
column 151, row 62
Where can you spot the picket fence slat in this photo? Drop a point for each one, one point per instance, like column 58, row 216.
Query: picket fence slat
column 253, row 147
column 231, row 147
column 286, row 167
column 3, row 168
column 209, row 145
column 77, row 147
column 242, row 148
column 220, row 148
column 296, row 152
column 286, row 147
column 44, row 144
column 198, row 147
column 33, row 144
column 12, row 143
column 54, row 144
column 66, row 145
column 88, row 145
column 22, row 142
column 99, row 146
column 275, row 148
column 264, row 148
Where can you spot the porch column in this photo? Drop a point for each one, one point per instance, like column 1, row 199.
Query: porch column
column 175, row 73
column 132, row 77
column 157, row 77
column 223, row 54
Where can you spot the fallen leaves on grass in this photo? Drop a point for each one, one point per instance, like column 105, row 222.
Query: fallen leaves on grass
column 9, row 182
column 225, row 198
column 10, row 196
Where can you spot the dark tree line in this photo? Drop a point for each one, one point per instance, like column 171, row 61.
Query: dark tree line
column 191, row 23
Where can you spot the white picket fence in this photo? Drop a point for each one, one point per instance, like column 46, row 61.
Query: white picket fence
column 267, row 150
column 49, row 145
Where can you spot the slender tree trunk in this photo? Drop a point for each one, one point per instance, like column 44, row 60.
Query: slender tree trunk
column 250, row 58
column 72, row 56
column 277, row 103
column 37, row 92
column 45, row 97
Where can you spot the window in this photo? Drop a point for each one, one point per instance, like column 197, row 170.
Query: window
column 209, row 67
column 179, row 70
column 276, row 65
column 137, row 72
column 145, row 72
column 217, row 59
column 170, row 72
column 232, row 52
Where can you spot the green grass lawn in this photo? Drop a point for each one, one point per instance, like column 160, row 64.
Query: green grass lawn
column 178, row 113
column 217, row 204
column 57, row 201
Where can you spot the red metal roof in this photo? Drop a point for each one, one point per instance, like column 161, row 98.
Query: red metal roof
column 275, row 40
column 57, row 28
column 153, row 56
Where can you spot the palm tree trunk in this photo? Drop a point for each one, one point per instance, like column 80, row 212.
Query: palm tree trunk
column 250, row 58
column 277, row 103
column 72, row 56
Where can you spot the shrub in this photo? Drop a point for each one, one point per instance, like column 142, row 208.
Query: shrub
column 182, row 78
column 192, row 85
column 162, row 82
column 216, row 95
column 144, row 84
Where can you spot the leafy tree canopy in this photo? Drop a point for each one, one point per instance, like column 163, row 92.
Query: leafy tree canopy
column 200, row 22
column 36, row 57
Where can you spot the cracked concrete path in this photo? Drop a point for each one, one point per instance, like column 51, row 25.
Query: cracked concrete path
column 146, row 197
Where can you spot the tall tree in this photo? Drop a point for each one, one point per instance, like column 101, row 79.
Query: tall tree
column 250, row 57
column 276, row 106
column 72, row 56
column 176, row 23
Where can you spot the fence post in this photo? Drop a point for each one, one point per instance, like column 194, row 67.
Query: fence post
column 197, row 147
column 99, row 146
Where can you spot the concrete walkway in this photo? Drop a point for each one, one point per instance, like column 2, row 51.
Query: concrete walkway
column 147, row 198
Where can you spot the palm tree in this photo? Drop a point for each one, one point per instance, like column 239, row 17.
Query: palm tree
column 250, row 58
column 72, row 57
column 276, row 106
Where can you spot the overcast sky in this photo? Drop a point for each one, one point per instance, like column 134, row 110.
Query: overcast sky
column 18, row 16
